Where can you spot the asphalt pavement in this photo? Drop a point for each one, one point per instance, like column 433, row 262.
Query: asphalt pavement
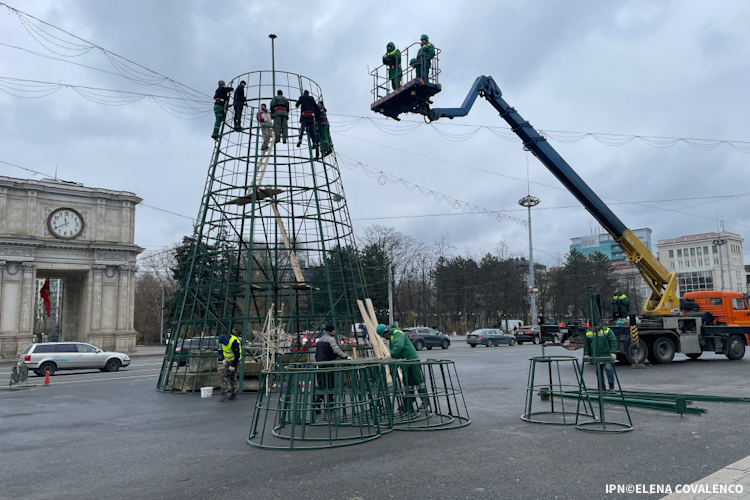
column 93, row 435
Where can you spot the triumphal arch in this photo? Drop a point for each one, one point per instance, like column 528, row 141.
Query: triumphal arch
column 52, row 229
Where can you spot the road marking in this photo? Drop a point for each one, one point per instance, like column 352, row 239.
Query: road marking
column 101, row 380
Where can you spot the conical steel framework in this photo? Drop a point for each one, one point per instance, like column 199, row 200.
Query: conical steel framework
column 273, row 229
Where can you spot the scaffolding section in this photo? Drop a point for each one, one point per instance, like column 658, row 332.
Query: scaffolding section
column 273, row 231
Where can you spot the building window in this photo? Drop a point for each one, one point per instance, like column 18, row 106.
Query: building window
column 692, row 251
column 695, row 281
column 687, row 263
column 685, row 252
column 671, row 254
column 679, row 253
column 705, row 250
column 680, row 264
column 713, row 248
column 707, row 262
column 698, row 251
column 671, row 265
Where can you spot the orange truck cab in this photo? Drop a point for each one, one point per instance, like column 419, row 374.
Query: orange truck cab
column 728, row 308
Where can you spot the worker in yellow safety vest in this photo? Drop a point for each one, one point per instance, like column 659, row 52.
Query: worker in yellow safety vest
column 602, row 343
column 620, row 305
column 232, row 354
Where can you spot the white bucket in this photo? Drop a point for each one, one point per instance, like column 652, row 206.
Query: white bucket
column 207, row 392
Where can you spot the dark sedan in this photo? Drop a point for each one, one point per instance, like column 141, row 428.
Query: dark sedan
column 531, row 334
column 426, row 337
column 489, row 337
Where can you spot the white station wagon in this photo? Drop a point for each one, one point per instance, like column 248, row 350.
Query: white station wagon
column 52, row 356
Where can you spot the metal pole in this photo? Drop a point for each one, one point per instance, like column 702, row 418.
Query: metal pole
column 528, row 202
column 390, row 296
column 273, row 64
column 719, row 242
column 161, row 329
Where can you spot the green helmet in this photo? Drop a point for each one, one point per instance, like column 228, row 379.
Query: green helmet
column 382, row 329
column 424, row 37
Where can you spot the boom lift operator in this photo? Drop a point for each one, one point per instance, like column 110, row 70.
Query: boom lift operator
column 665, row 327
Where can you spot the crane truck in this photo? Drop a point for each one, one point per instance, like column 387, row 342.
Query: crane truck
column 715, row 321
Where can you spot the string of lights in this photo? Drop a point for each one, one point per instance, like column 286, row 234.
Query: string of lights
column 34, row 89
column 384, row 178
column 406, row 127
column 70, row 46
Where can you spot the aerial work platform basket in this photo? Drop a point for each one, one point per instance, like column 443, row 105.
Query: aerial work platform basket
column 412, row 93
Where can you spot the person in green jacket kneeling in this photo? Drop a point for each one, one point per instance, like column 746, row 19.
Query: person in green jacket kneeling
column 402, row 348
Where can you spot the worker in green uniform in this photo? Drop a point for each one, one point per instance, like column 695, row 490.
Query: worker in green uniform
column 602, row 344
column 424, row 57
column 620, row 305
column 392, row 59
column 221, row 98
column 280, row 114
column 323, row 130
column 402, row 348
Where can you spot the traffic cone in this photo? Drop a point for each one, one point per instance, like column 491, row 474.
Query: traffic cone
column 46, row 378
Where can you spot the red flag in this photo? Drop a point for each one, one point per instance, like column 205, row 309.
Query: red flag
column 44, row 293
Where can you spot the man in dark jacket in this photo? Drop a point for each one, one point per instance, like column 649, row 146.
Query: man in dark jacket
column 232, row 354
column 602, row 344
column 307, row 116
column 221, row 98
column 239, row 103
column 327, row 349
column 280, row 113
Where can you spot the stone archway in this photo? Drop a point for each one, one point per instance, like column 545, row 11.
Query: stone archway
column 96, row 261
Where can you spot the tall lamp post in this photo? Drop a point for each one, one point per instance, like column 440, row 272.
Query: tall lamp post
column 718, row 242
column 529, row 201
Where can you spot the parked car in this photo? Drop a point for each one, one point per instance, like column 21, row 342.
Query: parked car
column 182, row 351
column 531, row 334
column 489, row 337
column 422, row 336
column 48, row 357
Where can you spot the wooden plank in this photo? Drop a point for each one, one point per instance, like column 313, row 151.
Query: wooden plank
column 292, row 256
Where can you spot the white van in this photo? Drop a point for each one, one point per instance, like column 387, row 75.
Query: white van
column 511, row 323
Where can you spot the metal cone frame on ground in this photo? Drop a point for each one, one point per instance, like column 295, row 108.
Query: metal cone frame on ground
column 273, row 245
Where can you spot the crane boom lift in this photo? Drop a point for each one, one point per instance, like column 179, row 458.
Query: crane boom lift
column 663, row 298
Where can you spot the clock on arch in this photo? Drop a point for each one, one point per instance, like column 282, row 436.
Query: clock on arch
column 65, row 223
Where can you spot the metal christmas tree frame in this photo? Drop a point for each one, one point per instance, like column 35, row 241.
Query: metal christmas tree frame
column 273, row 228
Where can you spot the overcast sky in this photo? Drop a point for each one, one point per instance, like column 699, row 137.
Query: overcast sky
column 669, row 69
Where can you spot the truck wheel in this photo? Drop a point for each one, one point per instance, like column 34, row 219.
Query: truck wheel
column 694, row 355
column 637, row 358
column 735, row 348
column 663, row 350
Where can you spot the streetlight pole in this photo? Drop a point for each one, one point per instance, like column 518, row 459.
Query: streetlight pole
column 529, row 201
column 718, row 242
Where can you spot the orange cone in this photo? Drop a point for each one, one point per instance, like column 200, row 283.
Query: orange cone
column 46, row 378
